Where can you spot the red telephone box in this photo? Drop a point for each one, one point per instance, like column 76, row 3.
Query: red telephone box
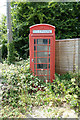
column 42, row 51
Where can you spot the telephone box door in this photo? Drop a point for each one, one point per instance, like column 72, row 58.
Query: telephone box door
column 42, row 57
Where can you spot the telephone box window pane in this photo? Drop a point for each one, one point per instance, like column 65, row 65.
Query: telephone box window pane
column 42, row 72
column 34, row 54
column 34, row 48
column 34, row 66
column 42, row 41
column 49, row 77
column 41, row 60
column 49, row 60
column 42, row 48
column 39, row 41
column 42, row 54
column 34, row 60
column 34, row 41
column 49, row 65
column 49, row 72
column 42, row 78
column 49, row 53
column 41, row 66
column 49, row 48
column 35, row 72
column 49, row 41
column 45, row 41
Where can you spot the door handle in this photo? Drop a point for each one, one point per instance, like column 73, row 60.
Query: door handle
column 32, row 60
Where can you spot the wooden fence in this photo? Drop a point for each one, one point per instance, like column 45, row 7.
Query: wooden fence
column 67, row 55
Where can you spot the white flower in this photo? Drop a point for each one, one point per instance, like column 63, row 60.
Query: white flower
column 75, row 96
column 73, row 80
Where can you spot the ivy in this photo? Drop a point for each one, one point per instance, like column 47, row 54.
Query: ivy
column 11, row 53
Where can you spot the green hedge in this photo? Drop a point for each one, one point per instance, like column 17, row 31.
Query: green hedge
column 64, row 16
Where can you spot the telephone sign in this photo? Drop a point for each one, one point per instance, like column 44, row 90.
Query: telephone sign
column 42, row 51
column 42, row 31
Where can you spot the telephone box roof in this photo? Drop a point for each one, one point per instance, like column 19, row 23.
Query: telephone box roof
column 42, row 25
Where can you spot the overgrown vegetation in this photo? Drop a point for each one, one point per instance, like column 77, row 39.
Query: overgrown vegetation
column 22, row 90
column 11, row 53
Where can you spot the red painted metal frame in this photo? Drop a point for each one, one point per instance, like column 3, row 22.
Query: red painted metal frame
column 48, row 36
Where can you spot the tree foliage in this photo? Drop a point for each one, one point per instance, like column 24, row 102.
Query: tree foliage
column 3, row 36
column 64, row 16
column 3, row 30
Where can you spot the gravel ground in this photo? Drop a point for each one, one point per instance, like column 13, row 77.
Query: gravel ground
column 53, row 112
